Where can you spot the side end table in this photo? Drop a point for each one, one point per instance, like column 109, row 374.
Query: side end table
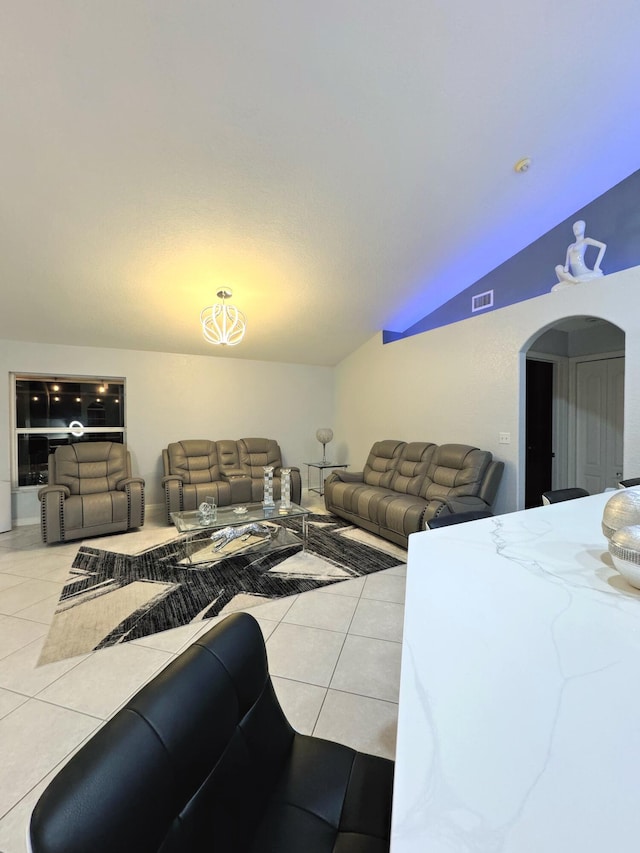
column 321, row 468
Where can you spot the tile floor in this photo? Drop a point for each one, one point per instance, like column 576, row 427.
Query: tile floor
column 334, row 656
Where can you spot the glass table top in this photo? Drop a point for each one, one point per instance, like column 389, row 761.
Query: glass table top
column 229, row 516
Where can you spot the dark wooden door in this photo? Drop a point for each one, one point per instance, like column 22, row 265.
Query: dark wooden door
column 539, row 431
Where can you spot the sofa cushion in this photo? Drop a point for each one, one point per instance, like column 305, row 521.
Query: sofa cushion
column 195, row 460
column 342, row 496
column 228, row 457
column 403, row 514
column 412, row 467
column 96, row 510
column 455, row 469
column 382, row 462
column 90, row 467
column 256, row 453
column 366, row 502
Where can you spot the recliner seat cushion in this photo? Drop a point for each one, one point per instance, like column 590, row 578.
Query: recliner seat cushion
column 86, row 511
column 366, row 502
column 404, row 514
column 193, row 495
column 344, row 495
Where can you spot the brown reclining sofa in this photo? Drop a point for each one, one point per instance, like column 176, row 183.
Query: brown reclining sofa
column 404, row 484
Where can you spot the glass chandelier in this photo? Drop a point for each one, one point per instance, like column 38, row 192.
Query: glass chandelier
column 223, row 324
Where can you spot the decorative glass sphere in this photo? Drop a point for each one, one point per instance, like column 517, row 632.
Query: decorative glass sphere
column 624, row 547
column 621, row 510
column 205, row 509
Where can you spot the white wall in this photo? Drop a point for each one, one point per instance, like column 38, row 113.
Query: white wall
column 458, row 383
column 172, row 397
column 462, row 383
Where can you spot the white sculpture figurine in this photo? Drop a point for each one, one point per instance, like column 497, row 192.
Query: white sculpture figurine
column 575, row 269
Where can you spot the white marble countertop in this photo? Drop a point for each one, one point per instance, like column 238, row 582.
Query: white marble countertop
column 519, row 715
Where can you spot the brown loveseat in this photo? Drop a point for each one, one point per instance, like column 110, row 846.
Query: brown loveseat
column 232, row 472
column 403, row 485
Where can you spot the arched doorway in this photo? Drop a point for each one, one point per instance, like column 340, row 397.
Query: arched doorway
column 574, row 407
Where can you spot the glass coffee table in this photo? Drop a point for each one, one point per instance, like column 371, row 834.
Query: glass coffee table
column 258, row 528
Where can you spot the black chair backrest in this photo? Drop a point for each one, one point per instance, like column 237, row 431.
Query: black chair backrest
column 457, row 518
column 555, row 496
column 192, row 757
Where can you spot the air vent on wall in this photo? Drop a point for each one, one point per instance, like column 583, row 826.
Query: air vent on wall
column 482, row 300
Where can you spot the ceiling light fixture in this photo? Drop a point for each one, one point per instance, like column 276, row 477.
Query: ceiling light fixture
column 223, row 324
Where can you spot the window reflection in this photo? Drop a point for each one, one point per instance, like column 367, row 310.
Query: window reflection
column 40, row 403
column 52, row 412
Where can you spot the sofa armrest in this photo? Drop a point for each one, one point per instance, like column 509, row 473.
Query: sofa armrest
column 465, row 503
column 171, row 478
column 47, row 490
column 491, row 481
column 121, row 485
column 172, row 485
column 457, row 518
column 345, row 477
column 278, row 470
column 451, row 506
column 230, row 473
column 52, row 500
column 134, row 489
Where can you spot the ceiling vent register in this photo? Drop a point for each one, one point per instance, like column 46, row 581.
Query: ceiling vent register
column 481, row 301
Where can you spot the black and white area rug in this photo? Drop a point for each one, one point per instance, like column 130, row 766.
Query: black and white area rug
column 118, row 595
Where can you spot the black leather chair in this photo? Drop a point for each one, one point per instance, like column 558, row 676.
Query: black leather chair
column 457, row 518
column 203, row 759
column 630, row 483
column 555, row 496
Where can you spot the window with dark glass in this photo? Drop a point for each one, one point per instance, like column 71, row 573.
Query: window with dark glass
column 53, row 411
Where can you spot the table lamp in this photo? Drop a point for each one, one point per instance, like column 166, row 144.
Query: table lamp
column 324, row 436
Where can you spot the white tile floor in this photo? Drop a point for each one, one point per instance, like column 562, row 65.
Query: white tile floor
column 334, row 656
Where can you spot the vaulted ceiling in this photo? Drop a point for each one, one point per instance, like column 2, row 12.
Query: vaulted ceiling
column 344, row 167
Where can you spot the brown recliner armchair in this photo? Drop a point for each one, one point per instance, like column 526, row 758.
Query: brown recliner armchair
column 91, row 492
column 232, row 472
